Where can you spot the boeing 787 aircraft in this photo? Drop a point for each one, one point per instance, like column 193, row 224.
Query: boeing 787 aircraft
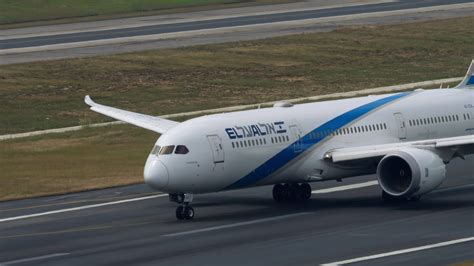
column 406, row 139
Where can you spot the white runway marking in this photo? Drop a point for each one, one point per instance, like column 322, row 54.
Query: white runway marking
column 347, row 187
column 321, row 191
column 33, row 259
column 190, row 33
column 403, row 251
column 80, row 208
column 237, row 224
column 167, row 20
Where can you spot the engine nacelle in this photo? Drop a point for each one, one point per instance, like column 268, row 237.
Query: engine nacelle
column 410, row 172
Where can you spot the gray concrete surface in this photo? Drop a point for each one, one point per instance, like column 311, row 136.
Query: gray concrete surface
column 331, row 227
column 80, row 44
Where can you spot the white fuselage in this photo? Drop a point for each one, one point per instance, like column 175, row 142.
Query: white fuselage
column 288, row 144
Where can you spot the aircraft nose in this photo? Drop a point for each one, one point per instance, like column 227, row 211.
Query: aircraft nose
column 156, row 174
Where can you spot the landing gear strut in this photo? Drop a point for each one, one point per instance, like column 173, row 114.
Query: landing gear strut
column 184, row 211
column 292, row 192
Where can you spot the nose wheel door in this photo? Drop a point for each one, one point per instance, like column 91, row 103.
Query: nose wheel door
column 217, row 148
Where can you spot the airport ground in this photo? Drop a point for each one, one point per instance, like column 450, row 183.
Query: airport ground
column 50, row 94
column 133, row 225
column 29, row 13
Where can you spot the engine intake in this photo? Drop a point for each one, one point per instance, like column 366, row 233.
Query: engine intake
column 410, row 172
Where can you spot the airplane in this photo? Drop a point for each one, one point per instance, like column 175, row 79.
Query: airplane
column 406, row 139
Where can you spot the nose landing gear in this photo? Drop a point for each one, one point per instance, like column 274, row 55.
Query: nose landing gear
column 184, row 211
column 292, row 192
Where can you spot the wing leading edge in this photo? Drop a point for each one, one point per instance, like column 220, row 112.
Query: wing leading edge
column 153, row 123
column 375, row 151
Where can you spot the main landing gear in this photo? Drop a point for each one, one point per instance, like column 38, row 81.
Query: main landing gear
column 292, row 192
column 184, row 211
column 389, row 199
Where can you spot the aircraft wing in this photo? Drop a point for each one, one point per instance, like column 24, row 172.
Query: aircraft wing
column 153, row 123
column 458, row 146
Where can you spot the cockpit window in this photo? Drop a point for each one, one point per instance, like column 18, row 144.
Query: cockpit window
column 167, row 149
column 155, row 150
column 181, row 149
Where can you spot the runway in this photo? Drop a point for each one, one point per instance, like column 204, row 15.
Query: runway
column 45, row 43
column 217, row 23
column 345, row 221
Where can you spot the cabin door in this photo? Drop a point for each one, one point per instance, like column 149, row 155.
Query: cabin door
column 402, row 129
column 217, row 149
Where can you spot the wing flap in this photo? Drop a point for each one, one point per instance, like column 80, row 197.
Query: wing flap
column 153, row 123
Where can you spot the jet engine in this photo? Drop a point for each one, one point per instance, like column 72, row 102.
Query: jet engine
column 410, row 173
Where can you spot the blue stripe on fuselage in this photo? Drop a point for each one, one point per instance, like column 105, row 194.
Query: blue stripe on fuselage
column 307, row 141
column 470, row 81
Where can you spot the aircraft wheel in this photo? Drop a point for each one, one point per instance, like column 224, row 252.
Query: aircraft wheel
column 188, row 213
column 180, row 213
column 295, row 193
column 305, row 192
column 278, row 193
column 287, row 192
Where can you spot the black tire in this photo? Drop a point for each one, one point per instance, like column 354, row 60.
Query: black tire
column 278, row 193
column 180, row 213
column 287, row 192
column 188, row 213
column 295, row 193
column 305, row 192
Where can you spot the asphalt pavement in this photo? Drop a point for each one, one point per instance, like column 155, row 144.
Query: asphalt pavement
column 219, row 23
column 134, row 225
column 137, row 34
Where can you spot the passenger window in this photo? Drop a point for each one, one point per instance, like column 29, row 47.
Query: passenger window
column 155, row 150
column 167, row 149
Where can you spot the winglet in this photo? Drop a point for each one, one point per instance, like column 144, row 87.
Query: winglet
column 89, row 101
column 468, row 81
